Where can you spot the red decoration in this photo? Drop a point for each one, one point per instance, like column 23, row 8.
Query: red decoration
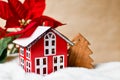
column 2, row 32
column 43, row 53
column 18, row 15
column 16, row 11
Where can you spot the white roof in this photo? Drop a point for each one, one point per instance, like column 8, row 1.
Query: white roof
column 26, row 41
column 38, row 32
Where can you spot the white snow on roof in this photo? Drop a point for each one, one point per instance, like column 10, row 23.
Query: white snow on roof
column 26, row 41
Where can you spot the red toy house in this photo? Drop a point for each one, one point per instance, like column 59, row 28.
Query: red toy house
column 45, row 51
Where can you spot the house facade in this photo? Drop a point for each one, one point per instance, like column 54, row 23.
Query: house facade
column 45, row 51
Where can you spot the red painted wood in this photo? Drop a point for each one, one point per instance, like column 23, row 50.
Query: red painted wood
column 37, row 50
column 50, row 63
column 61, row 48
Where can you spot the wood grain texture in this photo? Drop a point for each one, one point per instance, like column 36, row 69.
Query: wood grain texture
column 79, row 53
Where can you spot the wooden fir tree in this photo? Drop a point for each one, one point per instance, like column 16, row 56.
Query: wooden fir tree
column 79, row 53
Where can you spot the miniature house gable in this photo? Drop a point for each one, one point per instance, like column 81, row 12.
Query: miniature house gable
column 38, row 32
column 45, row 51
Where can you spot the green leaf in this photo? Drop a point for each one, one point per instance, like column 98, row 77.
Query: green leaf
column 4, row 44
column 3, row 56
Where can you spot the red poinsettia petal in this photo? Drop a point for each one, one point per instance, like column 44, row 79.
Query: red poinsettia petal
column 2, row 32
column 40, row 22
column 35, row 7
column 5, row 11
column 22, row 31
column 48, row 21
column 28, row 32
column 12, row 22
column 17, row 8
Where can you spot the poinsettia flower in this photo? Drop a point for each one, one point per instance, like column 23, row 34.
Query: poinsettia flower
column 5, row 11
column 26, row 16
column 41, row 21
column 29, row 29
column 2, row 32
column 18, row 14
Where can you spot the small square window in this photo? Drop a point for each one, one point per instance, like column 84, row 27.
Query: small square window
column 27, row 54
column 28, row 48
column 46, row 51
column 29, row 70
column 61, row 67
column 44, row 70
column 53, row 51
column 38, row 71
column 53, row 42
column 55, row 59
column 29, row 65
column 55, row 68
column 21, row 52
column 44, row 61
column 21, row 59
column 38, row 62
column 61, row 59
column 46, row 43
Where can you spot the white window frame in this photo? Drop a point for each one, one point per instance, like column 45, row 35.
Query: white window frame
column 28, row 52
column 58, row 64
column 28, row 66
column 41, row 66
column 50, row 46
column 22, row 62
column 21, row 51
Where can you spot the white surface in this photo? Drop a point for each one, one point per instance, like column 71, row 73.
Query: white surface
column 26, row 41
column 104, row 71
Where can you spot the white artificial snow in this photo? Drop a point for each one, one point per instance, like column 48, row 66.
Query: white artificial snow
column 105, row 71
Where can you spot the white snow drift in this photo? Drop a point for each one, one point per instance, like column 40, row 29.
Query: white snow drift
column 105, row 71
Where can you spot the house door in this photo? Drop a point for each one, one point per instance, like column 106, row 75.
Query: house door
column 41, row 66
column 58, row 62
